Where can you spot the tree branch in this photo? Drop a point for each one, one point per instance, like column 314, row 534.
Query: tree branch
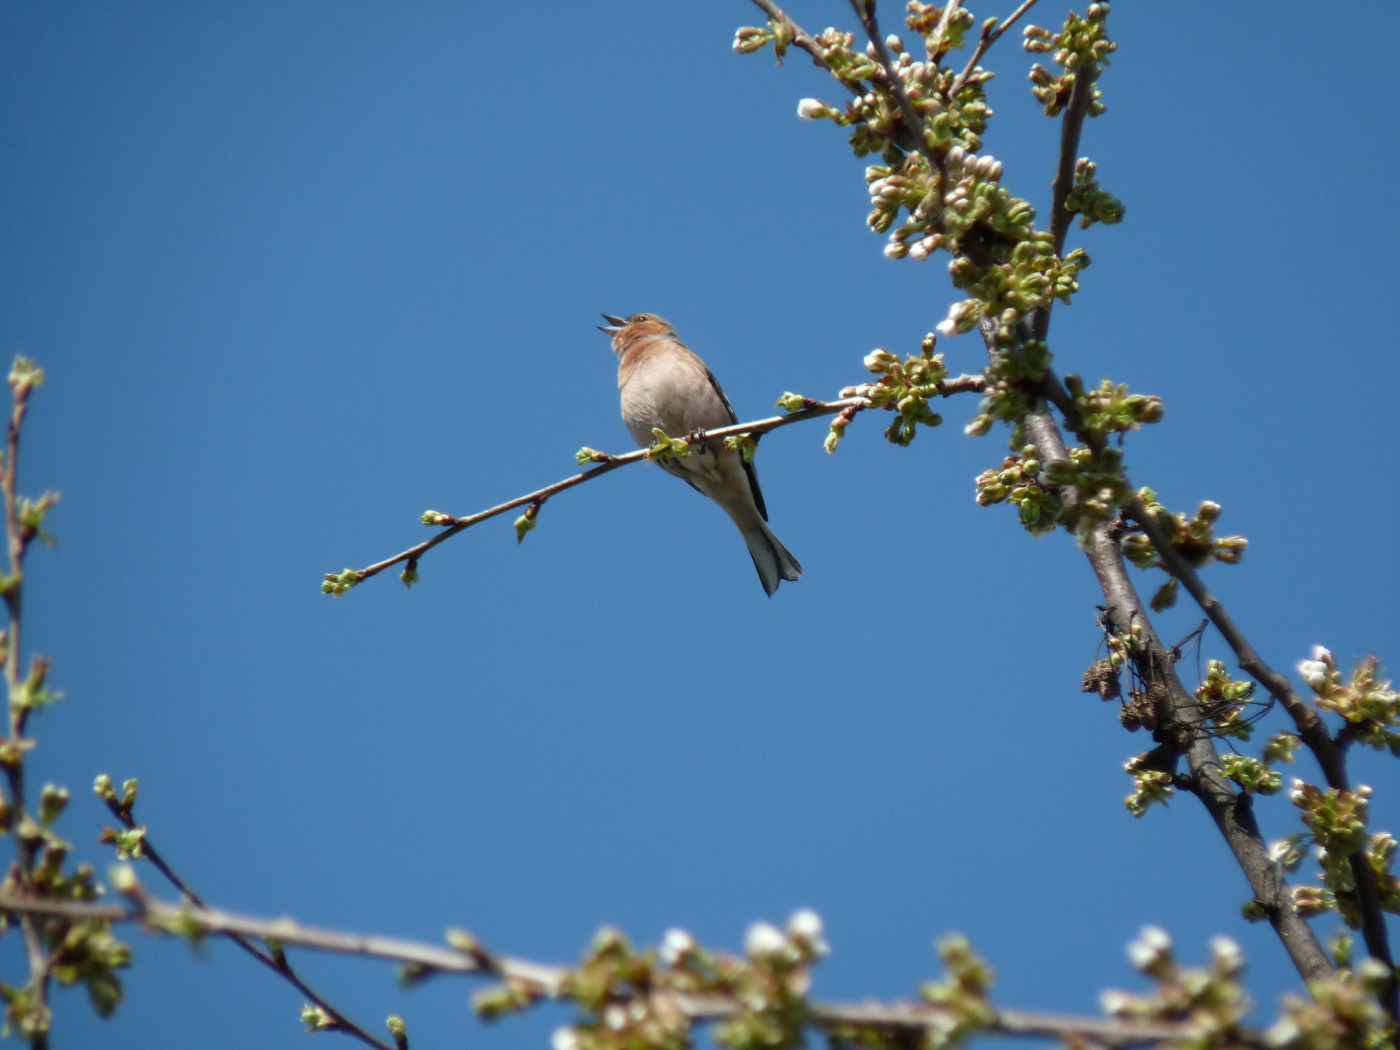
column 18, row 536
column 1071, row 127
column 1311, row 729
column 990, row 35
column 913, row 122
column 800, row 36
column 549, row 982
column 811, row 409
column 276, row 963
column 1231, row 812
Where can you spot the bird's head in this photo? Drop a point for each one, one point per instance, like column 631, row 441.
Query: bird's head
column 627, row 332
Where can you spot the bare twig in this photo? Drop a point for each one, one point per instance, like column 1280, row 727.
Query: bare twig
column 276, row 963
column 990, row 35
column 811, row 410
column 548, row 982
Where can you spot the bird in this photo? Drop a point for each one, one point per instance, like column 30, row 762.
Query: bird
column 665, row 386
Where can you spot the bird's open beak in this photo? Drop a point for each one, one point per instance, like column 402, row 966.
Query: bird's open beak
column 614, row 325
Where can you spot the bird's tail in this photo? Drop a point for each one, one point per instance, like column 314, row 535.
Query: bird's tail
column 772, row 560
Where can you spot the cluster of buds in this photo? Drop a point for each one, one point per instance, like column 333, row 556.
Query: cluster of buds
column 1014, row 366
column 1252, row 775
column 1336, row 824
column 1092, row 488
column 1110, row 409
column 1366, row 701
column 778, row 32
column 629, row 998
column 1342, row 1013
column 1194, row 538
column 1210, row 999
column 1223, row 701
column 1090, row 201
column 905, row 386
column 1017, row 481
column 1151, row 785
column 876, row 112
column 1082, row 45
column 963, row 993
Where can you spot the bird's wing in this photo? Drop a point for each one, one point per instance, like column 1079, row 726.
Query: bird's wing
column 748, row 467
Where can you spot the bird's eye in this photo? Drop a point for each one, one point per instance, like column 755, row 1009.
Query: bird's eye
column 640, row 318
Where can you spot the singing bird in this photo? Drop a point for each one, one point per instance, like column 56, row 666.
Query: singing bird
column 665, row 386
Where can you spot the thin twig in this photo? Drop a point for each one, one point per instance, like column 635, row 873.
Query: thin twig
column 276, row 964
column 990, row 35
column 913, row 122
column 26, row 846
column 811, row 410
column 1071, row 127
column 800, row 36
column 548, row 982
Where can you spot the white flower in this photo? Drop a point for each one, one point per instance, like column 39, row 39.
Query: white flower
column 813, row 109
column 805, row 923
column 675, row 945
column 564, row 1039
column 764, row 939
column 1153, row 945
column 1285, row 1033
column 1115, row 1002
column 1227, row 954
column 1314, row 672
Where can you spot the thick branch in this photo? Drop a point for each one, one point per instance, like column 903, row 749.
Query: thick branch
column 1230, row 811
column 548, row 981
column 1311, row 729
column 811, row 410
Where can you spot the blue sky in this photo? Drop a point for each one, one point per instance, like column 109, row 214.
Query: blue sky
column 299, row 271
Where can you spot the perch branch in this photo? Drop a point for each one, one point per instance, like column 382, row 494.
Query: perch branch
column 811, row 410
